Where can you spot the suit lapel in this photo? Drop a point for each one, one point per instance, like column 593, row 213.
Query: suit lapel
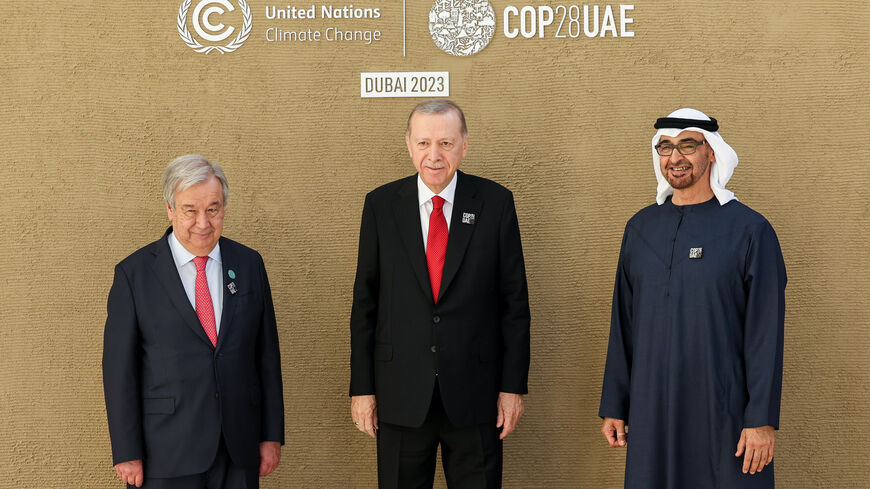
column 228, row 262
column 407, row 212
column 460, row 233
column 167, row 275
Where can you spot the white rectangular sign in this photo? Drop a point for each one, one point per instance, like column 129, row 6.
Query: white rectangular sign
column 404, row 84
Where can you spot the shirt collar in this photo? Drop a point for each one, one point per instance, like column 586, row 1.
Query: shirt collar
column 183, row 257
column 425, row 194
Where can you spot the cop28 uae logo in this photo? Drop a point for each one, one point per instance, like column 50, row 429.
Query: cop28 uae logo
column 461, row 27
column 207, row 31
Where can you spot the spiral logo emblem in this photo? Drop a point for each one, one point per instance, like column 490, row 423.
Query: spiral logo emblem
column 461, row 27
column 204, row 14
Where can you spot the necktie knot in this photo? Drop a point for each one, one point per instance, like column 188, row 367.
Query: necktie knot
column 437, row 202
column 200, row 261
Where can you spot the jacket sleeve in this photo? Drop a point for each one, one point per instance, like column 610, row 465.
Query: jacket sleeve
column 364, row 311
column 121, row 379
column 514, row 315
column 617, row 371
column 764, row 285
column 269, row 358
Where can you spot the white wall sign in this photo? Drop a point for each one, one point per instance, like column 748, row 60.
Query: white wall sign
column 404, row 84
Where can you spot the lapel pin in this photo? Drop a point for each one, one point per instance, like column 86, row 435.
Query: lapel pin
column 232, row 287
column 231, row 273
column 696, row 253
column 467, row 218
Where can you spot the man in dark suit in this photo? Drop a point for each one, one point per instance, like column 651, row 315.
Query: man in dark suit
column 440, row 318
column 191, row 365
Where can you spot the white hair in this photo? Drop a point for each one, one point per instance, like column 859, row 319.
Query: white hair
column 188, row 170
column 438, row 106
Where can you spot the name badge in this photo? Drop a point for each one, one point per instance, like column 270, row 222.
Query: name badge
column 467, row 218
column 695, row 253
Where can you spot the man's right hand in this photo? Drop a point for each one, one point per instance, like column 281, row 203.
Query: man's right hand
column 614, row 430
column 364, row 412
column 131, row 472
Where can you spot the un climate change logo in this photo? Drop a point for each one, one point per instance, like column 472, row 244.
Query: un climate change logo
column 210, row 32
column 461, row 27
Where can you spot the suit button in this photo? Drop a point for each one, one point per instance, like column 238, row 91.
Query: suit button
column 217, row 395
column 436, row 319
column 433, row 349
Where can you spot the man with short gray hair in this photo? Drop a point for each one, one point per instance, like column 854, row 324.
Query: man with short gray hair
column 440, row 320
column 191, row 365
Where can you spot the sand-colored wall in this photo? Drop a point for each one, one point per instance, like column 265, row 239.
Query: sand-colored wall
column 96, row 98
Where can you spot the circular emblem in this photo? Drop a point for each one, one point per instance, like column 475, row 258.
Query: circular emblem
column 461, row 27
column 207, row 31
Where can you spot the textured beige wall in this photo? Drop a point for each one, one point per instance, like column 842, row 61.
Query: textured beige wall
column 96, row 97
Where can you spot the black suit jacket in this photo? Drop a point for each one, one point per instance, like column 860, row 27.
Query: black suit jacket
column 476, row 338
column 169, row 393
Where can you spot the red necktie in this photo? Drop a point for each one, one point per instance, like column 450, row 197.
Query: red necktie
column 204, row 307
column 436, row 245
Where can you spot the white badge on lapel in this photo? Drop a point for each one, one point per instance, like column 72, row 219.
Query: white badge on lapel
column 467, row 218
column 232, row 285
column 695, row 253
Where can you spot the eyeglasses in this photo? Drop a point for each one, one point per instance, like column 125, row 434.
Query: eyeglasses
column 684, row 147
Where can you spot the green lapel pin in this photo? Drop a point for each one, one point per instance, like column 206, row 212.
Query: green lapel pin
column 232, row 274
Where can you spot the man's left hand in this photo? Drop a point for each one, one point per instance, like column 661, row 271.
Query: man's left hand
column 757, row 443
column 270, row 455
column 510, row 410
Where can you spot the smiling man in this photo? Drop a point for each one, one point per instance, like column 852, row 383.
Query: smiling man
column 694, row 363
column 191, row 367
column 440, row 317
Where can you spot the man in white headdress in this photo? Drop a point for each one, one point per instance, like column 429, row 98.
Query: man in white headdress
column 694, row 362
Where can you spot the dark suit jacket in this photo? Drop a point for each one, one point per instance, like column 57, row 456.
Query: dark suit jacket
column 476, row 338
column 169, row 393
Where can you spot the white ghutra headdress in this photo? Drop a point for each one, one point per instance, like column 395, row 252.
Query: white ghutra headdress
column 721, row 169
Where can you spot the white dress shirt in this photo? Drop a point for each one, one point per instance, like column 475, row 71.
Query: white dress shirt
column 424, row 197
column 187, row 271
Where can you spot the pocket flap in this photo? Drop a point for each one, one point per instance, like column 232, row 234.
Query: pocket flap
column 383, row 353
column 158, row 405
